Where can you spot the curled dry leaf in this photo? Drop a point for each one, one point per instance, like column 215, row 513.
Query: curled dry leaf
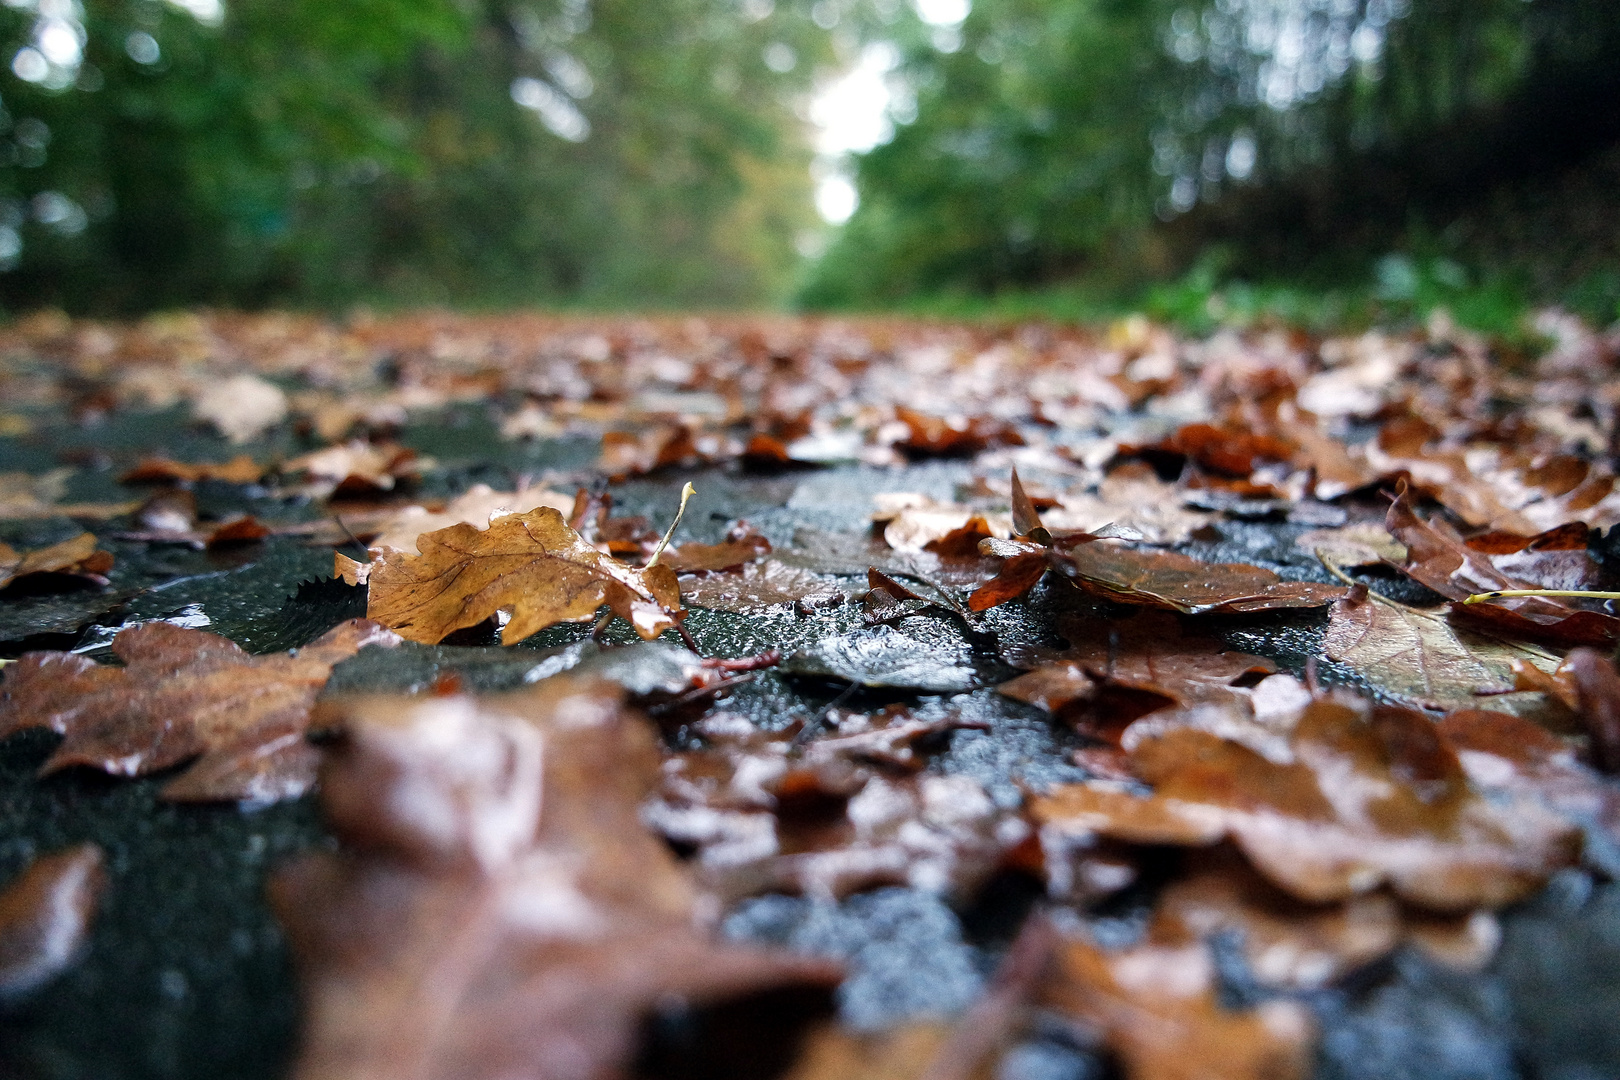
column 532, row 565
column 45, row 916
column 1420, row 658
column 161, row 470
column 1439, row 558
column 501, row 911
column 1115, row 671
column 1356, row 801
column 75, row 557
column 184, row 693
column 1157, row 1008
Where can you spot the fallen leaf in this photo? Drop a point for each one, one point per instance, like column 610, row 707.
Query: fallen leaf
column 837, row 815
column 1363, row 544
column 1420, row 658
column 1597, row 698
column 184, row 693
column 45, row 916
column 531, row 565
column 934, row 436
column 1360, row 800
column 882, row 656
column 627, row 454
column 742, row 545
column 1439, row 558
column 475, row 507
column 1115, row 671
column 500, row 910
column 241, row 407
column 831, row 1053
column 757, row 586
column 357, row 467
column 162, row 470
column 1162, row 579
column 74, row 558
column 1157, row 1008
column 23, row 497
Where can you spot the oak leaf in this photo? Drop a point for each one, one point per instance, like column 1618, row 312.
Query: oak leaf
column 531, row 565
column 45, row 916
column 184, row 693
column 500, row 910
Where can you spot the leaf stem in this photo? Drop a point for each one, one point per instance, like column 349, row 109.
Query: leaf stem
column 686, row 493
column 1480, row 598
column 1352, row 582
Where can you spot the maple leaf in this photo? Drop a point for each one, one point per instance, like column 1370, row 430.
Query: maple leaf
column 76, row 557
column 532, row 565
column 1351, row 801
column 184, row 693
column 500, row 910
column 45, row 916
column 1157, row 1008
column 1439, row 558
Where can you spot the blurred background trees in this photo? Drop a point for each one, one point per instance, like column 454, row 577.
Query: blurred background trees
column 635, row 153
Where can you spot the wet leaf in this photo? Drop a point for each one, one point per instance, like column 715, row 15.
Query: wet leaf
column 758, row 586
column 475, row 507
column 1439, row 558
column 1115, row 671
column 882, row 656
column 1597, row 699
column 23, row 497
column 1157, row 1008
column 1421, row 658
column 45, row 916
column 742, row 545
column 74, row 558
column 357, row 467
column 184, row 693
column 531, row 565
column 1354, row 801
column 501, row 911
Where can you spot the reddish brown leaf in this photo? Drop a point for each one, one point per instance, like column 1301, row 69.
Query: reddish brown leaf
column 45, row 916
column 742, row 545
column 184, row 693
column 75, row 557
column 1019, row 574
column 531, row 565
column 1117, row 670
column 1026, row 519
column 356, row 468
column 1597, row 696
column 1439, row 558
column 933, row 436
column 626, row 454
column 162, row 470
column 474, row 507
column 1233, row 453
column 500, row 910
column 1350, row 801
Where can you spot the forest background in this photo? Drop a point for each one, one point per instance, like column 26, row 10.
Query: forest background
column 1318, row 160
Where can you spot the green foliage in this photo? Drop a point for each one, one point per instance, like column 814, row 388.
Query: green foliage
column 319, row 153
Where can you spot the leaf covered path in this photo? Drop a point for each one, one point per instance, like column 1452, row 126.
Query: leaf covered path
column 1003, row 817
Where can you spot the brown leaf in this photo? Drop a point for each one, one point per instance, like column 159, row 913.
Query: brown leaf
column 933, row 436
column 184, row 693
column 742, row 545
column 356, row 467
column 1161, row 579
column 1156, row 1007
column 1026, row 519
column 25, row 497
column 475, row 507
column 1115, row 671
column 1420, row 658
column 849, row 813
column 501, row 911
column 1597, row 696
column 1439, row 558
column 1356, row 801
column 75, row 557
column 531, row 565
column 162, row 470
column 831, row 1053
column 627, row 454
column 45, row 916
